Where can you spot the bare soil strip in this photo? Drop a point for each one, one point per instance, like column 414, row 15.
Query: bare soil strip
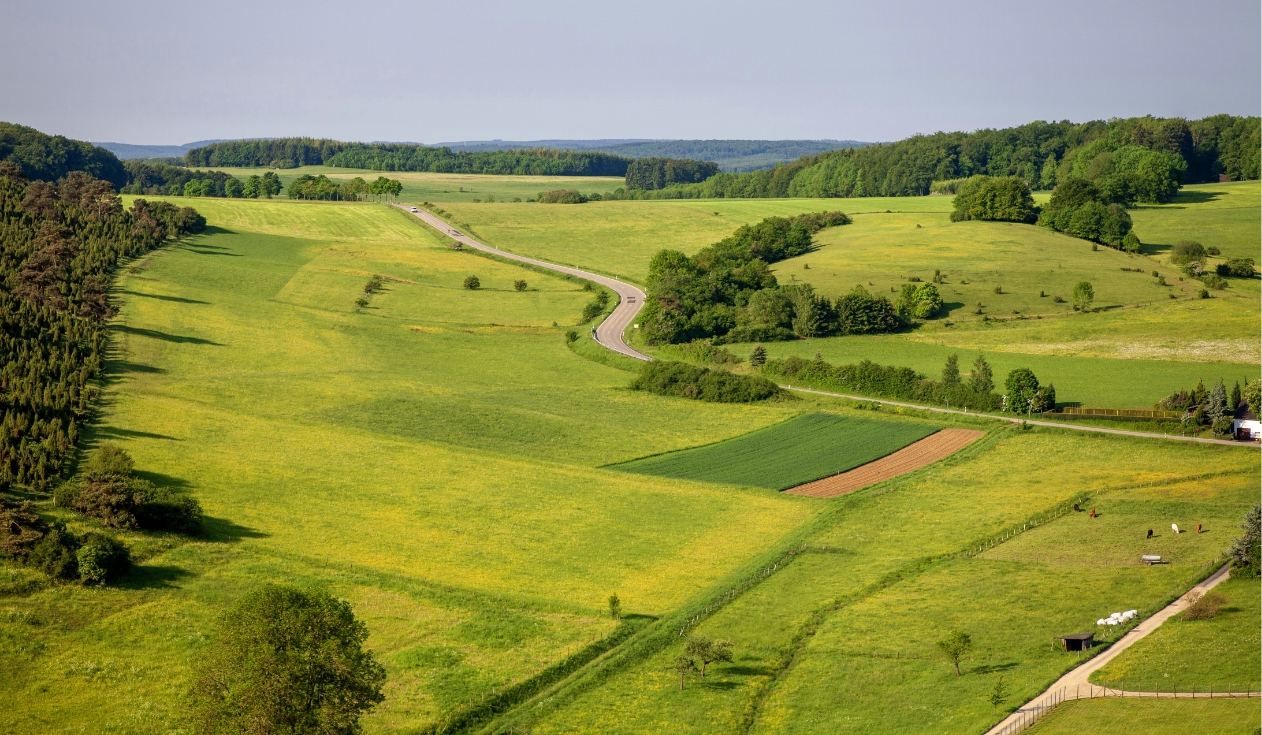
column 911, row 457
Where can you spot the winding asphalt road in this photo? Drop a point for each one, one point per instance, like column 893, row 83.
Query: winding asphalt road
column 609, row 333
column 630, row 299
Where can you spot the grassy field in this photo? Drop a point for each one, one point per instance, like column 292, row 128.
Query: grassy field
column 1086, row 381
column 1219, row 652
column 1220, row 215
column 419, row 186
column 842, row 638
column 436, row 470
column 800, row 450
column 1152, row 717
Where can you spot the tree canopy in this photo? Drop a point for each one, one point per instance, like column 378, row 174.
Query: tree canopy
column 51, row 157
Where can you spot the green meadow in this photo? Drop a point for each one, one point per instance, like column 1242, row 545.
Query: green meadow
column 1224, row 216
column 800, row 450
column 842, row 639
column 433, row 457
column 1224, row 652
column 1151, row 717
column 446, row 461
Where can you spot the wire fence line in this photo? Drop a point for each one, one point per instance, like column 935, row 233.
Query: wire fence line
column 1027, row 716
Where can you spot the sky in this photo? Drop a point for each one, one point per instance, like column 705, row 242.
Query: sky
column 176, row 72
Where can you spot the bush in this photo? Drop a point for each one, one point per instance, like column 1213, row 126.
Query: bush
column 1083, row 295
column 1206, row 606
column 55, row 554
column 1187, row 251
column 472, row 283
column 20, row 529
column 1236, row 268
column 129, row 503
column 1131, row 243
column 1217, row 283
column 160, row 509
column 109, row 459
column 571, row 336
column 519, row 285
column 562, row 196
column 1222, row 426
column 688, row 381
column 101, row 559
column 596, row 306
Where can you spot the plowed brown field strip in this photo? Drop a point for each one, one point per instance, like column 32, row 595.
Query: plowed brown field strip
column 911, row 457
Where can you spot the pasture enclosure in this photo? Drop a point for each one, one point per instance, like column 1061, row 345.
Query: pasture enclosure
column 794, row 452
column 1151, row 717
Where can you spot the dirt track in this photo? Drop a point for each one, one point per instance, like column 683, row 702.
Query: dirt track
column 911, row 457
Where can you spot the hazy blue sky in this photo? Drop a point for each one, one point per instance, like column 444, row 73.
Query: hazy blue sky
column 169, row 72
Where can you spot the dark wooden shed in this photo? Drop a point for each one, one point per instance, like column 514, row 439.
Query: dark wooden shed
column 1077, row 641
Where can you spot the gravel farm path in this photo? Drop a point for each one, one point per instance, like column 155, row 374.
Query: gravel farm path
column 630, row 299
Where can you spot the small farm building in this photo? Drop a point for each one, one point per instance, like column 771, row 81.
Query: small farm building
column 1247, row 428
column 1077, row 641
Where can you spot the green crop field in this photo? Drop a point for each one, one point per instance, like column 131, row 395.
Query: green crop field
column 1152, row 717
column 1225, row 651
column 800, row 450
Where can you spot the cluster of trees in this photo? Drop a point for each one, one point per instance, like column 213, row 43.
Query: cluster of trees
column 1192, row 257
column 666, row 378
column 881, row 381
column 160, row 179
column 562, row 196
column 1040, row 153
column 721, row 288
column 294, row 152
column 357, row 189
column 51, row 157
column 1215, row 408
column 58, row 246
column 109, row 491
column 1004, row 199
column 1082, row 209
column 28, row 539
column 659, row 173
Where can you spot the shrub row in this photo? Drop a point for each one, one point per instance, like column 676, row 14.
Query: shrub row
column 680, row 379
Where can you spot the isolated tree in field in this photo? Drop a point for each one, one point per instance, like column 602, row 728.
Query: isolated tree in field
column 708, row 651
column 951, row 371
column 519, row 285
column 956, row 646
column 1082, row 296
column 682, row 666
column 758, row 357
column 1246, row 551
column 473, row 283
column 615, row 607
column 982, row 380
column 285, row 660
column 999, row 694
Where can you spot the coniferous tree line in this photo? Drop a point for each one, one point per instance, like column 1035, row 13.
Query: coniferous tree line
column 294, row 152
column 659, row 173
column 1040, row 153
column 58, row 246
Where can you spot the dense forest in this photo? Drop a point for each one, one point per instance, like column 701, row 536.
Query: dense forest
column 659, row 173
column 1041, row 153
column 294, row 152
column 50, row 157
column 58, row 246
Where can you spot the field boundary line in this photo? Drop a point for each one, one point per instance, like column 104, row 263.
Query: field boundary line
column 1030, row 422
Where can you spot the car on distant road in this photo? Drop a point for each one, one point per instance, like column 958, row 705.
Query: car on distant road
column 414, row 209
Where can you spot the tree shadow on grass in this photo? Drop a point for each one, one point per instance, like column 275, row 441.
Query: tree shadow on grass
column 994, row 668
column 118, row 367
column 175, row 299
column 110, row 432
column 152, row 577
column 742, row 670
column 224, row 531
column 155, row 334
column 162, row 480
column 1195, row 197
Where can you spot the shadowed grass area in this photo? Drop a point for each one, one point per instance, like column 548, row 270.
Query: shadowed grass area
column 1216, row 215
